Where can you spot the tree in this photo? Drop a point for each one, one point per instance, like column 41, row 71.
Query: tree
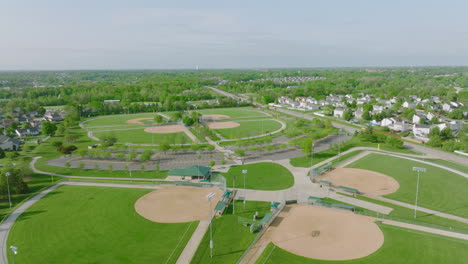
column 146, row 155
column 446, row 133
column 158, row 119
column 66, row 150
column 15, row 178
column 348, row 115
column 434, row 132
column 212, row 163
column 366, row 115
column 71, row 138
column 108, row 140
column 48, row 128
column 395, row 142
column 2, row 153
column 61, row 130
column 307, row 147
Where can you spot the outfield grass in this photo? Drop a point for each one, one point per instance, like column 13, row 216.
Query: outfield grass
column 260, row 176
column 400, row 246
column 139, row 136
column 304, row 161
column 76, row 224
column 115, row 120
column 439, row 189
column 250, row 129
column 234, row 112
column 230, row 238
column 453, row 165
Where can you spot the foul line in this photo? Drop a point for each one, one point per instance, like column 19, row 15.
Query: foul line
column 177, row 246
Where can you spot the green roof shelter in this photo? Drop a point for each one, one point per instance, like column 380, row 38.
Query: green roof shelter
column 191, row 173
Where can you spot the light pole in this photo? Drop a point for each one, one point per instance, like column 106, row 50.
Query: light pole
column 7, row 174
column 312, row 155
column 244, row 172
column 210, row 197
column 233, row 200
column 15, row 252
column 418, row 169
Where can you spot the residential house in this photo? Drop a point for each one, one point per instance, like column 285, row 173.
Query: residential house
column 387, row 122
column 377, row 109
column 111, row 101
column 421, row 132
column 419, row 118
column 54, row 115
column 7, row 143
column 409, row 104
column 358, row 113
column 33, row 131
column 399, row 126
column 338, row 112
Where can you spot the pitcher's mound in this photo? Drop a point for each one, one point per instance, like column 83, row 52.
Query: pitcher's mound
column 322, row 233
column 364, row 180
column 177, row 204
column 165, row 129
column 221, row 125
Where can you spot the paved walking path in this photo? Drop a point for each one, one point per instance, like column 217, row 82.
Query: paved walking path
column 360, row 203
column 425, row 229
column 192, row 245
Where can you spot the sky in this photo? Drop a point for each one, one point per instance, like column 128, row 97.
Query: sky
column 143, row 34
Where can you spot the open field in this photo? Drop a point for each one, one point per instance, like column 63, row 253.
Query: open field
column 92, row 225
column 115, row 120
column 139, row 136
column 439, row 189
column 400, row 246
column 249, row 129
column 234, row 112
column 230, row 237
column 260, row 176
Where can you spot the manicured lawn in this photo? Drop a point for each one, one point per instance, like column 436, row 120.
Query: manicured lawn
column 318, row 157
column 234, row 112
column 453, row 165
column 400, row 246
column 230, row 238
column 260, row 176
column 249, row 129
column 114, row 120
column 139, row 136
column 439, row 189
column 76, row 224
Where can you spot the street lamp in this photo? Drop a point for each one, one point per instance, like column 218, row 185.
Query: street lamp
column 244, row 172
column 7, row 174
column 210, row 197
column 15, row 252
column 418, row 169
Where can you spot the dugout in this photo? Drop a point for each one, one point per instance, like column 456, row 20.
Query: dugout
column 191, row 173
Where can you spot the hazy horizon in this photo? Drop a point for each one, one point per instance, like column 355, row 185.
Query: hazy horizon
column 160, row 35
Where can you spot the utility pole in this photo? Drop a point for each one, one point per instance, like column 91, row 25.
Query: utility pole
column 8, row 186
column 209, row 197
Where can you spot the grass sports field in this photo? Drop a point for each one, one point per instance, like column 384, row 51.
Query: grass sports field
column 75, row 224
column 230, row 237
column 260, row 176
column 139, row 136
column 115, row 120
column 439, row 189
column 234, row 112
column 400, row 246
column 249, row 129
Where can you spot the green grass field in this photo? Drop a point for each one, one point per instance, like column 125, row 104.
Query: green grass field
column 439, row 189
column 234, row 112
column 249, row 129
column 400, row 246
column 453, row 165
column 115, row 120
column 260, row 176
column 139, row 136
column 230, row 238
column 75, row 224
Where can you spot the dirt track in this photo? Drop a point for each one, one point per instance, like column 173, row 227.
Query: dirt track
column 323, row 233
column 364, row 180
column 138, row 120
column 215, row 117
column 176, row 204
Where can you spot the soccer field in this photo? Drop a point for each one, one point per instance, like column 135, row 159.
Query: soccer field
column 260, row 176
column 75, row 224
column 439, row 189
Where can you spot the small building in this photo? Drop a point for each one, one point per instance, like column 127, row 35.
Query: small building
column 409, row 105
column 26, row 132
column 111, row 101
column 419, row 118
column 421, row 132
column 7, row 143
column 194, row 172
column 338, row 112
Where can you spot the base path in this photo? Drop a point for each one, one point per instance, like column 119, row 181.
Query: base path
column 192, row 245
column 425, row 229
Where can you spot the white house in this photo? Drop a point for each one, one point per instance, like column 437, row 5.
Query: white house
column 447, row 107
column 33, row 131
column 358, row 113
column 338, row 112
column 377, row 109
column 399, row 126
column 421, row 132
column 387, row 122
column 7, row 143
column 430, row 116
column 409, row 105
column 419, row 118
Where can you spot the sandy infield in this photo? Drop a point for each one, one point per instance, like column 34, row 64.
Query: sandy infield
column 176, row 204
column 138, row 120
column 215, row 117
column 165, row 129
column 221, row 125
column 364, row 180
column 323, row 233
